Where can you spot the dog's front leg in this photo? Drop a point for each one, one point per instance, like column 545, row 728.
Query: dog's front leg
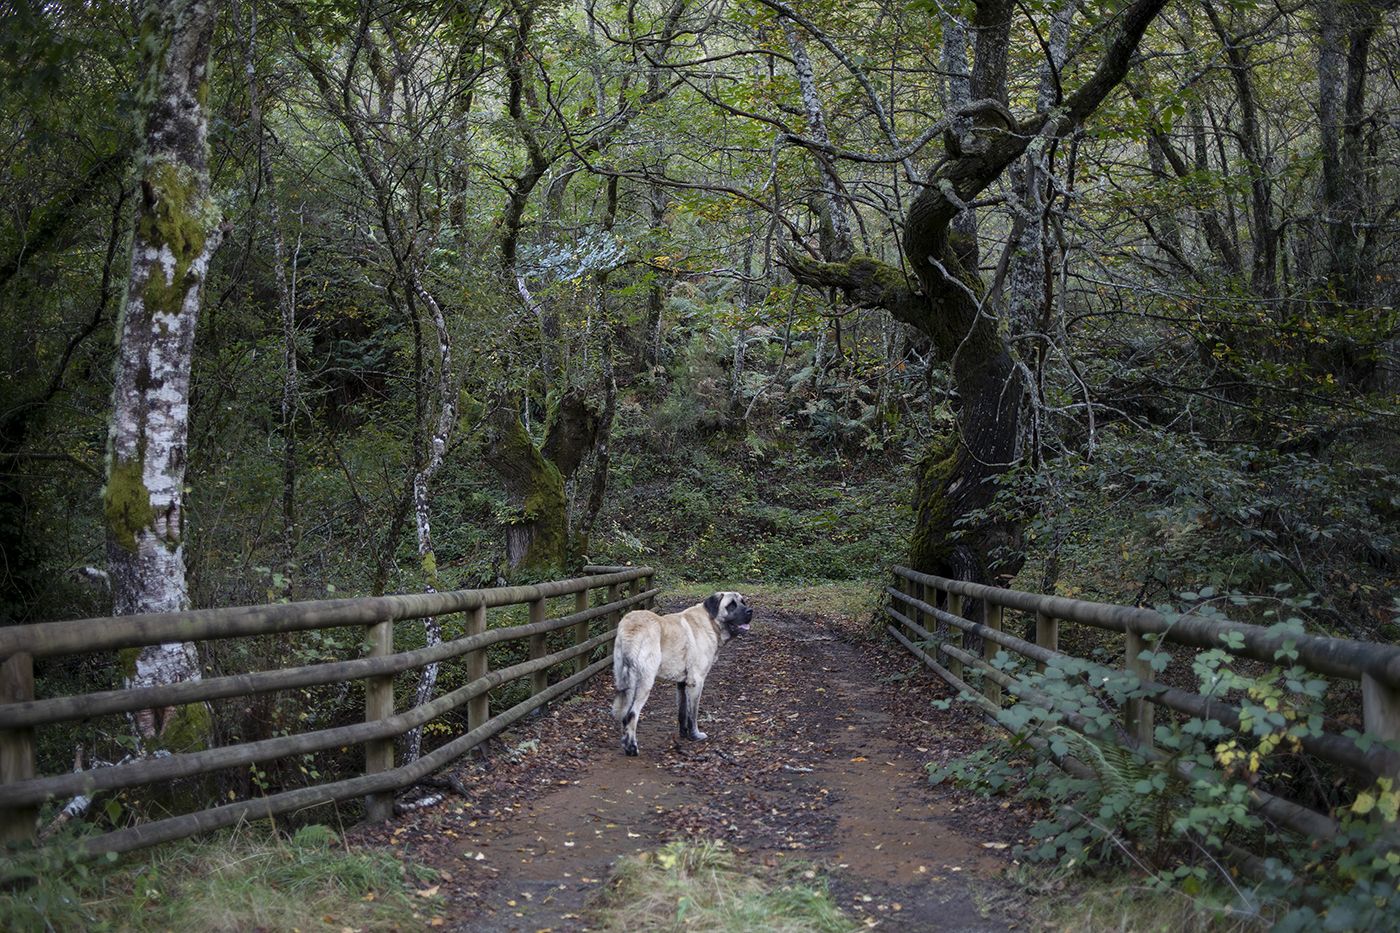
column 692, row 713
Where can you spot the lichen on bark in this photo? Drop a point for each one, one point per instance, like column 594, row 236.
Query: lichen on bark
column 177, row 219
column 127, row 503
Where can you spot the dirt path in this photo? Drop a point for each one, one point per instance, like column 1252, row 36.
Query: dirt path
column 817, row 750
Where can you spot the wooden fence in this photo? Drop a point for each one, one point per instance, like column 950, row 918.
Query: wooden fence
column 22, row 792
column 923, row 597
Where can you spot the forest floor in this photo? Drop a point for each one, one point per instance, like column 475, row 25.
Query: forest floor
column 819, row 737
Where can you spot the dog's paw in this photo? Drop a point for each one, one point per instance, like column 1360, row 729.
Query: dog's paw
column 697, row 736
column 629, row 747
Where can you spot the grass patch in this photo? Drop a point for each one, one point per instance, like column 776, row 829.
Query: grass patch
column 846, row 599
column 701, row 886
column 248, row 879
column 1107, row 906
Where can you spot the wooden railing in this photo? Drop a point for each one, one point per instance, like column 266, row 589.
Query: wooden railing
column 22, row 792
column 919, row 600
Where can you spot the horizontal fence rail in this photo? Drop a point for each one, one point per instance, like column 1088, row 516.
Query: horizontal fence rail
column 21, row 791
column 918, row 601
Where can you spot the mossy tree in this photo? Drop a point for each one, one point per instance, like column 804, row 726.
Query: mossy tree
column 948, row 301
column 178, row 228
column 539, row 540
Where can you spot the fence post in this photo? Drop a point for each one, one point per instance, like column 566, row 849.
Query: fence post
column 647, row 583
column 955, row 634
column 478, row 707
column 992, row 618
column 17, row 747
column 379, row 704
column 580, row 629
column 614, row 594
column 635, row 588
column 539, row 680
column 1137, row 712
column 1047, row 635
column 1380, row 711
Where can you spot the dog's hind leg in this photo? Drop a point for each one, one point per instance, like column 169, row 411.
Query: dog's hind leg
column 625, row 681
column 641, row 690
column 683, row 723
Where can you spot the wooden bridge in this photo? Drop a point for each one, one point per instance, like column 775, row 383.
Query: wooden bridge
column 21, row 792
column 804, row 726
column 929, row 601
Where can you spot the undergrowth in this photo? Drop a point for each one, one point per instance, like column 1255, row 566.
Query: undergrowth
column 701, row 886
column 1172, row 816
column 248, row 879
column 1070, row 902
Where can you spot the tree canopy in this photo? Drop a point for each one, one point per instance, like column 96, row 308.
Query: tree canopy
column 1098, row 292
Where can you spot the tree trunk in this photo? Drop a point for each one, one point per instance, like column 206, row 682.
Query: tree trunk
column 1264, row 270
column 955, row 535
column 265, row 184
column 656, row 293
column 602, row 455
column 839, row 243
column 177, row 230
column 538, row 542
column 1344, row 59
column 422, row 503
column 1029, row 291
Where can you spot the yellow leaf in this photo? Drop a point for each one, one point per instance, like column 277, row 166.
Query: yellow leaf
column 428, row 892
column 666, row 859
column 1365, row 802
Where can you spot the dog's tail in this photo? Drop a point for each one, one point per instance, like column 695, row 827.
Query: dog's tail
column 625, row 679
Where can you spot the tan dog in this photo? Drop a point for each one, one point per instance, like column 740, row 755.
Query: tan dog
column 680, row 647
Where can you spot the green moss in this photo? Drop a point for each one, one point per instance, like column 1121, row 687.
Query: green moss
column 187, row 728
column 931, row 544
column 888, row 277
column 127, row 503
column 126, row 661
column 176, row 218
column 429, row 566
column 543, row 500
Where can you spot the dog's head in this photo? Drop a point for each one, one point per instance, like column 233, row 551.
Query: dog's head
column 730, row 613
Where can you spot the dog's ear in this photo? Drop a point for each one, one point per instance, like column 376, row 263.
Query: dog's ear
column 712, row 605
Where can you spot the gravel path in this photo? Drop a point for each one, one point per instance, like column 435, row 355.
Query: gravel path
column 819, row 736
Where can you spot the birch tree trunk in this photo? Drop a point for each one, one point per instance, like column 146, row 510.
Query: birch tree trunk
column 839, row 245
column 177, row 231
column 422, row 504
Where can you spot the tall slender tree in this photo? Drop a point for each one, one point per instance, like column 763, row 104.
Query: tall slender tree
column 178, row 228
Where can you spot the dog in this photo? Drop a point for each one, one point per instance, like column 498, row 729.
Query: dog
column 680, row 647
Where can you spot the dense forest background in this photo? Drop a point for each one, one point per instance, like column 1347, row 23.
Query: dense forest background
column 507, row 286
